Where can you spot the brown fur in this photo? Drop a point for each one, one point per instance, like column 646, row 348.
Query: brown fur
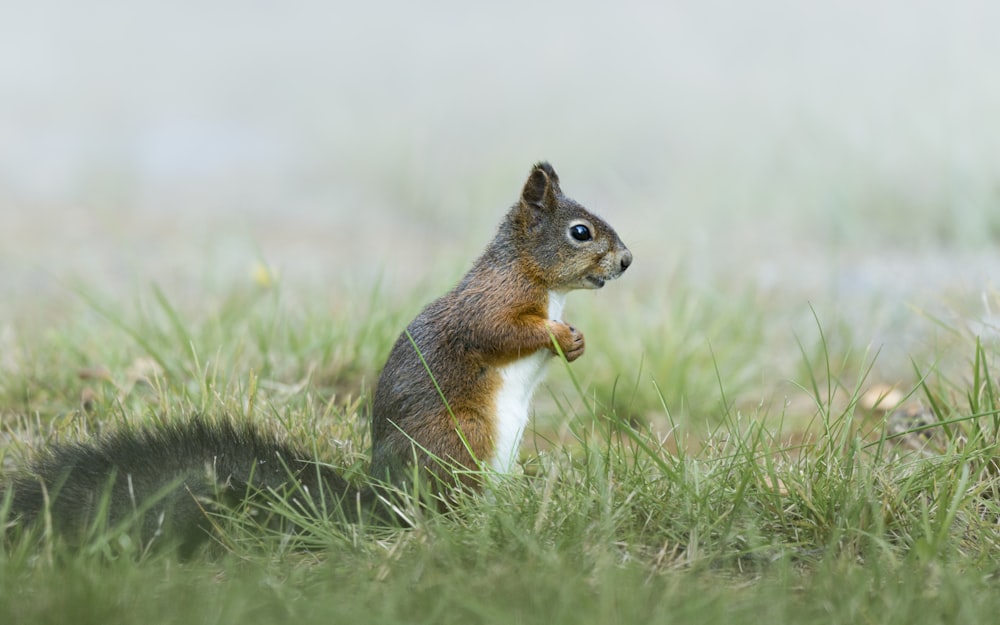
column 498, row 313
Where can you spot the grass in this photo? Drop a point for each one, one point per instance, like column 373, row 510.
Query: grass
column 671, row 475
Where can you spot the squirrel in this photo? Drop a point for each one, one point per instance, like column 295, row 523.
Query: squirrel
column 450, row 405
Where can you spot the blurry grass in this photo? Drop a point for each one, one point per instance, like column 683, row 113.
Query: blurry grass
column 667, row 494
column 695, row 354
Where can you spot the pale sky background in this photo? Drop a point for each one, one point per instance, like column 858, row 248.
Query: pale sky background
column 825, row 149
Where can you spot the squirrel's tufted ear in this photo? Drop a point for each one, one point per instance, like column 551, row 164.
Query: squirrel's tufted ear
column 542, row 188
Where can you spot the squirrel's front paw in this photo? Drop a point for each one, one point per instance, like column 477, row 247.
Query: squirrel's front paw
column 569, row 338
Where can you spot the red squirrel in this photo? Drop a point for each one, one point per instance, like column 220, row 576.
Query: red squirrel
column 487, row 341
column 451, row 402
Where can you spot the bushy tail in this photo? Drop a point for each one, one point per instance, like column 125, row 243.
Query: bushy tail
column 169, row 479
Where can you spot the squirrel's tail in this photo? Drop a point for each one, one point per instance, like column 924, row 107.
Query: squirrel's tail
column 169, row 479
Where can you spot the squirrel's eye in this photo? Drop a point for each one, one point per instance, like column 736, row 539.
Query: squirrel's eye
column 580, row 232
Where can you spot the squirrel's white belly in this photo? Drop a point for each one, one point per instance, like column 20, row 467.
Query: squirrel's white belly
column 518, row 382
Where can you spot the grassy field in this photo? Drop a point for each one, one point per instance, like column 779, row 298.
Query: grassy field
column 672, row 482
column 233, row 208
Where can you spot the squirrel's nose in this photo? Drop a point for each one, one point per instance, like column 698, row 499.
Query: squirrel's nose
column 626, row 260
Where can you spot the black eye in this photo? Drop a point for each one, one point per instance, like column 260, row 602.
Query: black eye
column 580, row 232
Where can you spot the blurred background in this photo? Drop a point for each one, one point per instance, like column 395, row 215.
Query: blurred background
column 842, row 154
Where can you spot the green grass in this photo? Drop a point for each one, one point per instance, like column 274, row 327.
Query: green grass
column 671, row 477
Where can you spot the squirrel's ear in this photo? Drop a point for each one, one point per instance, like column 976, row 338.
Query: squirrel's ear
column 542, row 188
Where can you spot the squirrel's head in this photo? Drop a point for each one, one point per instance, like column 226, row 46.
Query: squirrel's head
column 571, row 247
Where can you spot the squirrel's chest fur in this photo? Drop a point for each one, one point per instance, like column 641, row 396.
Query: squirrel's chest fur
column 512, row 399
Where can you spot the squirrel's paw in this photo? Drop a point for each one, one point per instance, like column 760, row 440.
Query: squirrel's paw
column 570, row 340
